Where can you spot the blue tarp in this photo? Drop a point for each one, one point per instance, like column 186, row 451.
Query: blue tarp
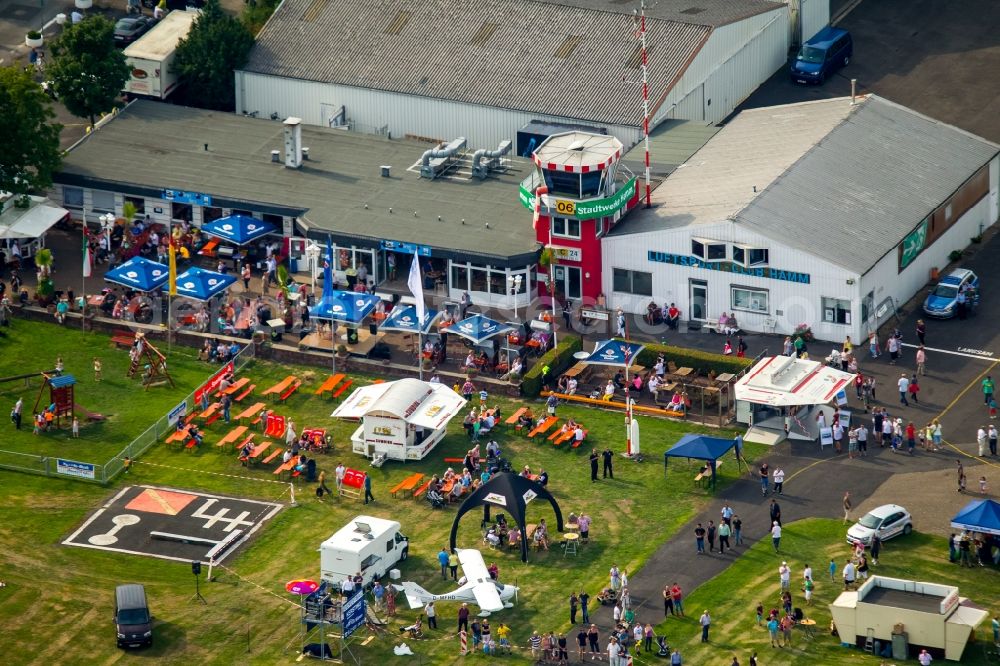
column 201, row 285
column 238, row 229
column 405, row 319
column 615, row 352
column 478, row 328
column 139, row 273
column 979, row 516
column 347, row 307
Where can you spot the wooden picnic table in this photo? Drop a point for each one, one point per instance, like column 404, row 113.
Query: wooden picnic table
column 211, row 411
column 407, row 484
column 233, row 436
column 258, row 451
column 280, row 387
column 330, row 384
column 725, row 377
column 251, row 411
column 581, row 371
column 179, row 435
column 236, row 386
column 683, row 372
column 286, row 467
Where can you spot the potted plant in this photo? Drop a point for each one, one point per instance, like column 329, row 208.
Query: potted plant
column 471, row 372
column 341, row 351
column 514, row 378
column 33, row 39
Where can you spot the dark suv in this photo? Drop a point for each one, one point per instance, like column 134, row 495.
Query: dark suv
column 133, row 623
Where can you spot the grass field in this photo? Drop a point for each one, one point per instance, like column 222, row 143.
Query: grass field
column 69, row 590
column 732, row 597
column 34, row 347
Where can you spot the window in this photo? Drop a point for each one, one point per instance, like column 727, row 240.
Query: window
column 181, row 211
column 102, row 202
column 210, row 214
column 633, row 282
column 459, row 277
column 708, row 250
column 277, row 220
column 479, row 280
column 749, row 256
column 563, row 226
column 590, row 183
column 72, row 197
column 836, row 311
column 562, row 182
column 139, row 203
column 751, row 300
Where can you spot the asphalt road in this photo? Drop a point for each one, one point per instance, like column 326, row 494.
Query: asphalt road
column 938, row 58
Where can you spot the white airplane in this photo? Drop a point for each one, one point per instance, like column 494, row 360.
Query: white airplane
column 479, row 589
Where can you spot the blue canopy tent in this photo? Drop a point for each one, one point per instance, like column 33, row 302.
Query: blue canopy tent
column 404, row 319
column 139, row 273
column 238, row 229
column 478, row 328
column 700, row 447
column 345, row 307
column 619, row 353
column 202, row 285
column 979, row 516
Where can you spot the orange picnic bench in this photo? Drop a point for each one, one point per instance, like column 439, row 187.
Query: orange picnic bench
column 212, row 414
column 407, row 484
column 290, row 390
column 274, row 454
column 251, row 411
column 343, row 387
column 642, row 409
column 329, row 385
column 233, row 436
column 543, row 426
column 512, row 419
column 244, row 393
column 123, row 339
column 234, row 387
column 280, row 387
column 422, row 489
column 258, row 450
column 285, row 467
column 178, row 436
column 208, row 249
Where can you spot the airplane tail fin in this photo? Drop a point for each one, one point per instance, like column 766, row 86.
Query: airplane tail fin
column 416, row 596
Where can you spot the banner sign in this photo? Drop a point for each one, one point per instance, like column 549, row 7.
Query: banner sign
column 912, row 245
column 406, row 248
column 177, row 413
column 73, row 468
column 354, row 613
column 212, row 384
column 566, row 253
column 728, row 267
column 584, row 210
column 180, row 196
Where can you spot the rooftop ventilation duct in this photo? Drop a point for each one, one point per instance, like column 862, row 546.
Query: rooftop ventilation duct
column 436, row 161
column 293, row 143
column 481, row 169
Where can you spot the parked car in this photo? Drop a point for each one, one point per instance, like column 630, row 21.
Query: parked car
column 941, row 302
column 133, row 622
column 887, row 521
column 131, row 28
column 829, row 50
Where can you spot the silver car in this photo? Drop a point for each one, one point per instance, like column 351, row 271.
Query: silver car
column 887, row 521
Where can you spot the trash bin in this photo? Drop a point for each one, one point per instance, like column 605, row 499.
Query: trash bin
column 293, row 265
column 352, row 336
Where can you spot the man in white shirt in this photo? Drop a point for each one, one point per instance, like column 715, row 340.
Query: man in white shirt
column 613, row 650
column 705, row 621
column 779, row 479
column 785, row 576
column 339, row 474
column 924, row 658
column 571, row 386
column 347, row 587
column 776, row 535
column 579, row 435
column 850, row 573
column 903, row 384
column 981, row 440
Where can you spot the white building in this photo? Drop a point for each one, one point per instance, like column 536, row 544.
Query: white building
column 481, row 69
column 817, row 213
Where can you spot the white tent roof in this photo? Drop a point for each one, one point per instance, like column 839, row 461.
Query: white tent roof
column 783, row 381
column 30, row 222
column 416, row 402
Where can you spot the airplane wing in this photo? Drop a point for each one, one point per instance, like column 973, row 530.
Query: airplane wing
column 473, row 565
column 487, row 597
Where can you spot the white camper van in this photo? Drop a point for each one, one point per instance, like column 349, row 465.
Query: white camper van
column 366, row 544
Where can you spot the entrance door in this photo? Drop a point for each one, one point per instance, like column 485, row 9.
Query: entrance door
column 568, row 281
column 699, row 300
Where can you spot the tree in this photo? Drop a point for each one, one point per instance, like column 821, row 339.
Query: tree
column 29, row 141
column 217, row 45
column 87, row 71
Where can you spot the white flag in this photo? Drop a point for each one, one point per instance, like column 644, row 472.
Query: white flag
column 416, row 285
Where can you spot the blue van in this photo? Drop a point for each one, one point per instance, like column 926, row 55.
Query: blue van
column 822, row 55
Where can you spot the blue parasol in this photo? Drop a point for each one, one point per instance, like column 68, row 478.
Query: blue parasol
column 202, row 285
column 139, row 273
column 238, row 229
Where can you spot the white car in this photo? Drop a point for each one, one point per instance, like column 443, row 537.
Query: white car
column 887, row 521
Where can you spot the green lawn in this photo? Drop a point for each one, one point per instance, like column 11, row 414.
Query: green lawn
column 731, row 597
column 33, row 347
column 47, row 581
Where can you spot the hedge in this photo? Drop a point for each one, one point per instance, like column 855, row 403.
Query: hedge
column 702, row 362
column 558, row 359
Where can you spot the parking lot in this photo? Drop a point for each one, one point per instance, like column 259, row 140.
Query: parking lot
column 938, row 58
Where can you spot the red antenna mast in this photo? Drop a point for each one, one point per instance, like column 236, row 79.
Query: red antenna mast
column 645, row 93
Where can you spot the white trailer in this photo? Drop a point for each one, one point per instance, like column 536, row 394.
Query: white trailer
column 151, row 57
column 366, row 544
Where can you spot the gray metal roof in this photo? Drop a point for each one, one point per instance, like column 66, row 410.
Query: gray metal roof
column 671, row 144
column 868, row 184
column 699, row 12
column 150, row 146
column 821, row 174
column 531, row 56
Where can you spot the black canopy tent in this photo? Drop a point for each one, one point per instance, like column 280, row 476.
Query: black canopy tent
column 512, row 493
column 701, row 447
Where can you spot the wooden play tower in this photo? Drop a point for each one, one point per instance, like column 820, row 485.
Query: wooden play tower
column 143, row 354
column 61, row 397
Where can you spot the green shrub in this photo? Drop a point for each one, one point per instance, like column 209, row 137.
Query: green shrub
column 702, row 362
column 558, row 359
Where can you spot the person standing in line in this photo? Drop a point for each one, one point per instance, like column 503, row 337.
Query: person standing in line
column 988, row 388
column 593, row 464
column 904, row 385
column 706, row 622
column 779, row 480
column 776, row 535
column 921, row 360
column 847, row 506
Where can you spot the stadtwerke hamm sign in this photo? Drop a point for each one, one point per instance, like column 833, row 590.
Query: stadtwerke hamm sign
column 584, row 210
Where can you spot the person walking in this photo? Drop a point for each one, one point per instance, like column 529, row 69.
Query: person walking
column 914, row 388
column 699, row 539
column 904, row 386
column 711, row 536
column 737, row 531
column 724, row 532
column 921, row 360
column 776, row 535
column 775, row 511
column 15, row 413
column 368, row 489
column 706, row 622
column 988, row 388
column 779, row 479
column 847, row 506
column 443, row 561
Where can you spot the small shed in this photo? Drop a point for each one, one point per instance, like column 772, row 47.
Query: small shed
column 400, row 420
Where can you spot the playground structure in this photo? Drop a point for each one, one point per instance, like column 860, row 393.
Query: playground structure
column 61, row 396
column 155, row 362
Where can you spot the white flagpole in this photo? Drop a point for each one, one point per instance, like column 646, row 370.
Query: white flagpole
column 416, row 285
